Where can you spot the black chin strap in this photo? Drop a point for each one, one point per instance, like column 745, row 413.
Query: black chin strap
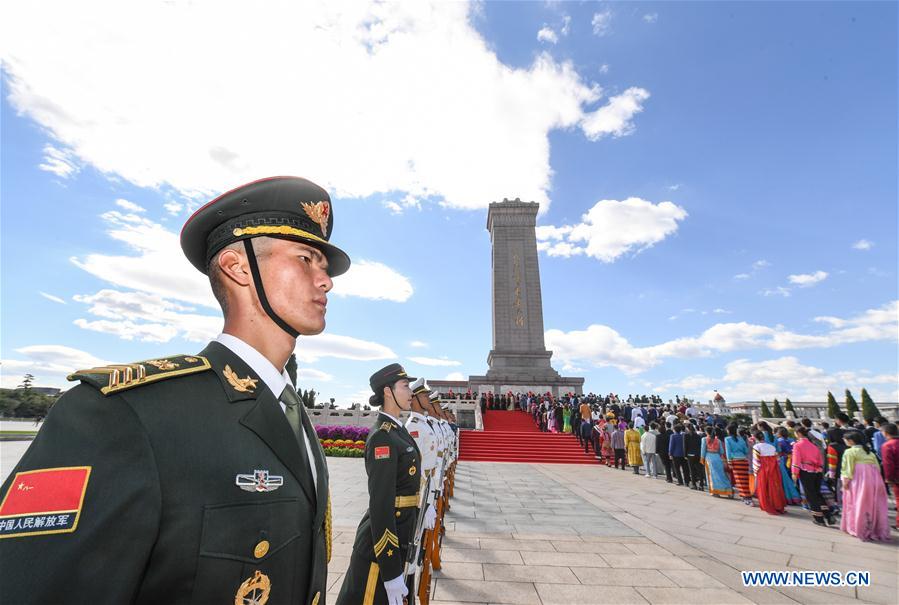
column 260, row 291
column 402, row 409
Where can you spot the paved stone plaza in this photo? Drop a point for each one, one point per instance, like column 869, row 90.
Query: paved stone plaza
column 542, row 533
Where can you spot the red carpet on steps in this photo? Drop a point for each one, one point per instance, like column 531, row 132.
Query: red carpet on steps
column 513, row 437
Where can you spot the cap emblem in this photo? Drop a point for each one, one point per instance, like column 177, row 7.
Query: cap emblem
column 318, row 212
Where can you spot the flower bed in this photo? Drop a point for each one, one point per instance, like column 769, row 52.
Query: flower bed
column 343, row 441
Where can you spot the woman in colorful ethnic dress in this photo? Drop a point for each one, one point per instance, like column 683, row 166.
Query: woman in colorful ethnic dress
column 768, row 481
column 712, row 454
column 807, row 466
column 737, row 451
column 632, row 443
column 784, row 448
column 566, row 413
column 766, row 431
column 608, row 452
column 865, row 514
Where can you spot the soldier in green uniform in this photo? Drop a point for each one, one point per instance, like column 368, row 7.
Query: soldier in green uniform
column 192, row 478
column 377, row 572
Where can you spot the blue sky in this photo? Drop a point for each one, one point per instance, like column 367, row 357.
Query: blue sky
column 717, row 182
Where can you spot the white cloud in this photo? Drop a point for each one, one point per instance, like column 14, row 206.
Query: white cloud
column 651, row 17
column 760, row 264
column 145, row 316
column 602, row 346
column 602, row 23
column 159, row 268
column 55, row 299
column 778, row 291
column 454, row 376
column 304, row 374
column 129, row 330
column 418, row 344
column 546, row 34
column 616, row 117
column 674, row 187
column 410, row 84
column 129, row 206
column 375, row 281
column 60, row 162
column 49, row 364
column 393, row 207
column 613, row 228
column 604, row 68
column 746, row 380
column 741, row 276
column 173, row 208
column 863, row 244
column 566, row 24
column 804, row 280
column 435, row 361
column 311, row 348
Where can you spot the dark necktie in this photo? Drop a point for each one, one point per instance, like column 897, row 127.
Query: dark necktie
column 294, row 415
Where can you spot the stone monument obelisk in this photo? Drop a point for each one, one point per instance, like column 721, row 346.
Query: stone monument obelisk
column 518, row 360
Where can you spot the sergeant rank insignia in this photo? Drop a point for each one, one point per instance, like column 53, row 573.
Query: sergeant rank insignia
column 259, row 481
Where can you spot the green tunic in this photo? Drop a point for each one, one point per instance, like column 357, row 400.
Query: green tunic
column 163, row 518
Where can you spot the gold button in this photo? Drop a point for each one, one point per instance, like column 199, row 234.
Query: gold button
column 237, row 232
column 261, row 549
column 398, row 513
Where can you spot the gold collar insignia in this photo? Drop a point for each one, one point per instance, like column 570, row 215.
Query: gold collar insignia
column 243, row 385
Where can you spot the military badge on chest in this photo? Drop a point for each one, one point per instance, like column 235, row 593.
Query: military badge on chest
column 254, row 590
column 259, row 481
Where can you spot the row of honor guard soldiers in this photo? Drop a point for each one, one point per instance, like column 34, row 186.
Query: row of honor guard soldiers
column 410, row 471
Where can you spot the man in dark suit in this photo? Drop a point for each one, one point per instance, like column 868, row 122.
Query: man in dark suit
column 377, row 571
column 192, row 478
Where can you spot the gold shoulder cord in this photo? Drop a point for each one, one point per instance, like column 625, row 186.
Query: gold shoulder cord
column 328, row 529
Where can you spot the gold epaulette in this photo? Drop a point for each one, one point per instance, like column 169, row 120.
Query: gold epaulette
column 120, row 377
column 387, row 426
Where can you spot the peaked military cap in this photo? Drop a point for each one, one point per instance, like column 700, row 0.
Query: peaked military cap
column 434, row 397
column 387, row 376
column 420, row 386
column 285, row 207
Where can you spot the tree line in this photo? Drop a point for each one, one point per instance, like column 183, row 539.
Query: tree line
column 24, row 401
column 869, row 408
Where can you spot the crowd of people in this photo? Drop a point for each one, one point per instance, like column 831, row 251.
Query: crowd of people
column 839, row 471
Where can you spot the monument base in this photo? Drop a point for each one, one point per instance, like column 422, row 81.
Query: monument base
column 560, row 385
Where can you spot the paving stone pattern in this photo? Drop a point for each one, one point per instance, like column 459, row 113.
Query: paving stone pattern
column 546, row 533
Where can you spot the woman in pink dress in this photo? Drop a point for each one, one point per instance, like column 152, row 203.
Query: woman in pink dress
column 865, row 514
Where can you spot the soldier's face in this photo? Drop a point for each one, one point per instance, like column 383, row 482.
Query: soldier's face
column 402, row 393
column 297, row 284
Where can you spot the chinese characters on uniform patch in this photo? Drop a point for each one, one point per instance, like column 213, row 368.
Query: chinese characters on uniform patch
column 44, row 501
column 382, row 452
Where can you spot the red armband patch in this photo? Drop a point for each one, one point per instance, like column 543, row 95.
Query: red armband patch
column 382, row 452
column 44, row 501
column 414, row 434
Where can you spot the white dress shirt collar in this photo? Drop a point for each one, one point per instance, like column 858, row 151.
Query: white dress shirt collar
column 392, row 418
column 273, row 379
